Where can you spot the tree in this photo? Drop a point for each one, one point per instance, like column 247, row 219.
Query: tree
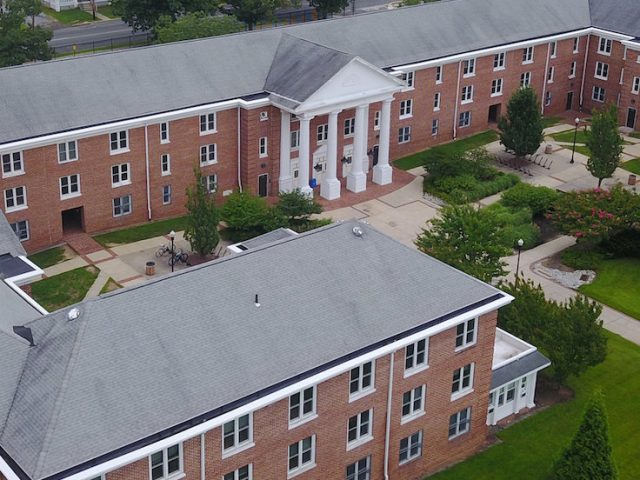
column 297, row 207
column 325, row 7
column 521, row 129
column 144, row 14
column 195, row 25
column 589, row 456
column 466, row 239
column 604, row 143
column 19, row 43
column 248, row 216
column 27, row 8
column 202, row 218
column 253, row 11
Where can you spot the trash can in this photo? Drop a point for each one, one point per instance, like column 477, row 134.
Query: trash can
column 632, row 179
column 548, row 149
column 313, row 183
column 150, row 268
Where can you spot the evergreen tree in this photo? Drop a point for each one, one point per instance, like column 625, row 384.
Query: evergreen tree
column 521, row 129
column 202, row 218
column 297, row 207
column 604, row 143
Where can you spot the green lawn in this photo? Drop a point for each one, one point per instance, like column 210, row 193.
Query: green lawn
column 141, row 232
column 634, row 134
column 583, row 149
column 65, row 289
column 567, row 136
column 48, row 258
column 617, row 284
column 453, row 148
column 110, row 286
column 550, row 121
column 529, row 448
column 107, row 11
column 69, row 17
column 632, row 166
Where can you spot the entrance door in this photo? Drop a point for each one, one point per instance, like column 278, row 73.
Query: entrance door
column 347, row 154
column 319, row 167
column 263, row 182
column 295, row 173
column 72, row 220
column 375, row 151
column 505, row 404
column 569, row 104
column 494, row 113
column 631, row 118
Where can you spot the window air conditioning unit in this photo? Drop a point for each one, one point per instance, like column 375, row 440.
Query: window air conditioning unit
column 264, row 116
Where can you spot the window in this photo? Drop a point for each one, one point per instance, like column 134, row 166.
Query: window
column 404, row 134
column 435, row 125
column 70, row 186
column 496, row 87
column 415, row 355
column 166, row 194
column 439, row 74
column 243, row 473
column 467, row 94
column 302, row 455
column 499, row 61
column 572, row 70
column 119, row 141
column 464, row 120
column 21, row 229
column 166, row 463
column 547, row 99
column 462, row 380
column 635, row 85
column 323, row 132
column 459, row 423
column 359, row 428
column 527, row 55
column 436, row 101
column 262, row 148
column 469, row 67
column 411, row 447
column 208, row 123
column 525, row 79
column 67, row 151
column 598, row 94
column 511, row 391
column 523, row 387
column 407, row 78
column 576, row 45
column 208, row 154
column 550, row 74
column 406, row 108
column 165, row 164
column 466, row 334
column 376, row 120
column 553, row 46
column 164, row 132
column 210, row 183
column 295, row 139
column 360, row 470
column 12, row 164
column 349, row 126
column 604, row 46
column 15, row 198
column 122, row 206
column 120, row 175
column 413, row 403
column 237, row 433
column 602, row 70
column 302, row 405
column 361, row 379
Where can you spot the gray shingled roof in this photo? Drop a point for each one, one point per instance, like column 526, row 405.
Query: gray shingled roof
column 124, row 370
column 622, row 16
column 9, row 242
column 518, row 368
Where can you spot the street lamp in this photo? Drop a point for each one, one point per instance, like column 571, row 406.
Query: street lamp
column 172, row 236
column 575, row 134
column 520, row 243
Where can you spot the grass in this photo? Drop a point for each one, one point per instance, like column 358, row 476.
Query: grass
column 551, row 121
column 634, row 134
column 141, row 232
column 632, row 166
column 583, row 149
column 617, row 284
column 110, row 286
column 69, row 17
column 567, row 136
column 65, row 289
column 48, row 258
column 529, row 448
column 107, row 11
column 454, row 148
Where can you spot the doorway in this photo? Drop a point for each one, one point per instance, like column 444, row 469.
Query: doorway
column 631, row 118
column 319, row 166
column 374, row 152
column 72, row 220
column 569, row 104
column 347, row 155
column 494, row 113
column 263, row 183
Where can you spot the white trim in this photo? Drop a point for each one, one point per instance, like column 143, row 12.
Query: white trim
column 530, row 372
column 526, row 352
column 7, row 472
column 387, row 432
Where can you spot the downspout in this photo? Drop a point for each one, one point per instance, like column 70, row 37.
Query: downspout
column 455, row 111
column 146, row 159
column 238, row 136
column 202, row 458
column 584, row 71
column 544, row 79
column 387, row 432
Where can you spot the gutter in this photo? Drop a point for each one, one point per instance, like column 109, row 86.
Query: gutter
column 545, row 79
column 584, row 71
column 238, row 147
column 455, row 111
column 146, row 160
column 387, row 432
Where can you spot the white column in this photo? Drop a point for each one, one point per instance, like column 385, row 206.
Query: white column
column 357, row 179
column 285, row 180
column 330, row 187
column 304, row 156
column 382, row 172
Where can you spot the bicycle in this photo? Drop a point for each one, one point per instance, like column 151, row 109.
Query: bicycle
column 163, row 250
column 178, row 257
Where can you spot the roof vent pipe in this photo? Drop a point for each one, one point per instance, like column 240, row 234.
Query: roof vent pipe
column 357, row 231
column 73, row 313
column 257, row 302
column 25, row 333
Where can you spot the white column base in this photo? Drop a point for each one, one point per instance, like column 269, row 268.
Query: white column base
column 357, row 182
column 307, row 191
column 382, row 174
column 330, row 189
column 285, row 184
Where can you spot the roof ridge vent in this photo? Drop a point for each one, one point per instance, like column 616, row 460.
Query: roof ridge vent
column 24, row 332
column 73, row 313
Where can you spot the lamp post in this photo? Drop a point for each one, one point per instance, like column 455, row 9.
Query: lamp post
column 172, row 236
column 575, row 134
column 520, row 243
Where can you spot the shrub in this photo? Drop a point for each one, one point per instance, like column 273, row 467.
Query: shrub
column 247, row 216
column 623, row 244
column 515, row 224
column 538, row 199
column 582, row 258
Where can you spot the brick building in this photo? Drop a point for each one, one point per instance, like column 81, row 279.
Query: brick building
column 294, row 359
column 110, row 140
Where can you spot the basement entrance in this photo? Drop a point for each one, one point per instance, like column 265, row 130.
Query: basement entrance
column 72, row 220
column 494, row 113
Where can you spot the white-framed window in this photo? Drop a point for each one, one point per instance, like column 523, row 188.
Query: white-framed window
column 120, row 175
column 553, row 46
column 404, row 134
column 295, row 139
column 15, row 199
column 208, row 123
column 439, row 74
column 164, row 132
column 547, row 98
column 496, row 87
column 165, row 164
column 208, row 154
column 572, row 70
column 67, row 151
column 210, row 183
column 166, row 463
column 499, row 61
column 376, row 120
column 550, row 74
column 362, row 379
column 635, row 85
column 322, row 132
column 436, row 101
column 302, row 456
column 121, row 206
column 302, row 406
column 408, row 78
column 467, row 94
column 12, row 164
column 262, row 147
column 21, row 229
column 523, row 387
column 604, row 46
column 469, row 67
column 435, row 126
column 242, row 473
column 70, row 186
column 459, row 423
column 416, row 356
column 466, row 334
column 525, row 79
column 349, row 126
column 119, row 141
column 598, row 94
column 527, row 55
column 462, row 382
column 166, row 194
column 359, row 428
column 360, row 470
column 237, row 434
column 406, row 108
column 464, row 119
column 576, row 44
column 413, row 403
column 602, row 70
column 411, row 447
